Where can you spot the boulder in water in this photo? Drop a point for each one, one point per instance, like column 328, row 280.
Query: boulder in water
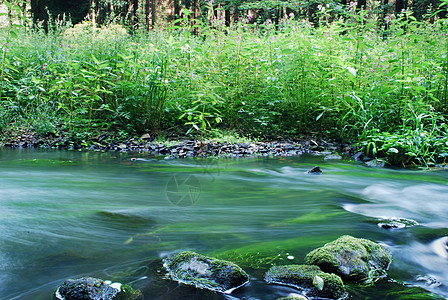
column 315, row 171
column 309, row 279
column 205, row 272
column 396, row 223
column 89, row 288
column 352, row 259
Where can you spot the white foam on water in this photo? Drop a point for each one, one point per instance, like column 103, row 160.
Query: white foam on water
column 423, row 202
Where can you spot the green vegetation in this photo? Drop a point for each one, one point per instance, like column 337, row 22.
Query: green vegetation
column 380, row 83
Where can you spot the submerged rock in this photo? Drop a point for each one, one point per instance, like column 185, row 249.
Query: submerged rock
column 89, row 288
column 310, row 279
column 397, row 223
column 333, row 157
column 352, row 259
column 205, row 272
column 315, row 171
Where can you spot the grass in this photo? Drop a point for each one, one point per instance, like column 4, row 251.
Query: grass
column 351, row 80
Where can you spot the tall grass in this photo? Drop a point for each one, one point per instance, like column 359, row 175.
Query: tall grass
column 386, row 90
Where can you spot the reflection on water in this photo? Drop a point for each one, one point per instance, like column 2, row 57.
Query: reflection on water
column 69, row 214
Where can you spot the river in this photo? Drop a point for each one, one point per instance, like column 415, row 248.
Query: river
column 68, row 214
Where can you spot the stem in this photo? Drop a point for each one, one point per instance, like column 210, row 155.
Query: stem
column 1, row 73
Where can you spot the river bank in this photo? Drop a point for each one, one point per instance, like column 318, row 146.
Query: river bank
column 184, row 146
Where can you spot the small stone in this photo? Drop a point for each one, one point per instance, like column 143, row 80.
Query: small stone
column 244, row 145
column 315, row 171
column 397, row 223
column 376, row 163
column 333, row 157
column 146, row 136
column 358, row 156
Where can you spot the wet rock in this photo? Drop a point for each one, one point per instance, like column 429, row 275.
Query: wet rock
column 310, row 279
column 396, row 223
column 358, row 156
column 332, row 157
column 187, row 148
column 244, row 145
column 376, row 163
column 315, row 171
column 205, row 272
column 86, row 288
column 146, row 136
column 352, row 259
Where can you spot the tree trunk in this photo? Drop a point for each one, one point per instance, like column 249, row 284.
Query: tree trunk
column 227, row 16
column 39, row 13
column 312, row 14
column 147, row 12
column 134, row 17
column 361, row 4
column 399, row 6
column 236, row 14
column 176, row 9
column 153, row 13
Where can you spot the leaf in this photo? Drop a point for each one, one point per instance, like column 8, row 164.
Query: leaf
column 319, row 116
column 393, row 150
column 352, row 71
column 318, row 283
column 399, row 32
column 95, row 59
column 13, row 34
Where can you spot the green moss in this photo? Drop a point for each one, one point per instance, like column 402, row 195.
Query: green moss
column 352, row 258
column 304, row 277
column 265, row 254
column 314, row 216
column 414, row 293
column 129, row 293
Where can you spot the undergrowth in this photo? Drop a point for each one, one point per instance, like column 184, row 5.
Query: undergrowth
column 382, row 88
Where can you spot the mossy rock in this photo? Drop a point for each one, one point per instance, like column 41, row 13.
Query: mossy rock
column 205, row 272
column 352, row 259
column 89, row 288
column 310, row 279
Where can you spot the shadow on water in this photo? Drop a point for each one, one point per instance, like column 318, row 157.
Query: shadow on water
column 71, row 214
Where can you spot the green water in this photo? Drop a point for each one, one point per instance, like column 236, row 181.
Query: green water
column 71, row 214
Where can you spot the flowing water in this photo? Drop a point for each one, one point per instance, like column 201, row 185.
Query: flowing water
column 72, row 214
